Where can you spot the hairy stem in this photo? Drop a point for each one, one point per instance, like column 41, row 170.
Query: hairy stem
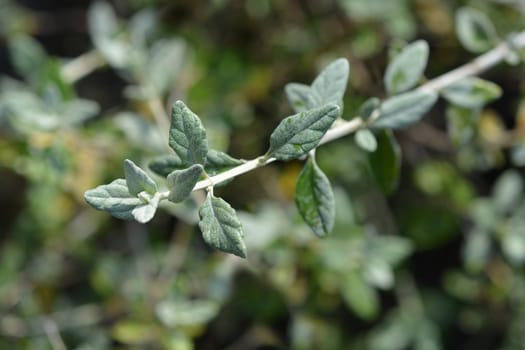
column 82, row 66
column 474, row 67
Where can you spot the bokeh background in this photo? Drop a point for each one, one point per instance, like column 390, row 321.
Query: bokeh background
column 426, row 254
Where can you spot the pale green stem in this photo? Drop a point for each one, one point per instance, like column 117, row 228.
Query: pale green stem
column 474, row 67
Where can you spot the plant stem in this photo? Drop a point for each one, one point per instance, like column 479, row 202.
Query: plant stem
column 474, row 67
column 82, row 66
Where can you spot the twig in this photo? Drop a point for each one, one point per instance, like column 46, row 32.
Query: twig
column 82, row 66
column 53, row 335
column 474, row 67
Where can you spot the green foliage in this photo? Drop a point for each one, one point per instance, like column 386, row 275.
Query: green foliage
column 314, row 198
column 298, row 134
column 405, row 109
column 475, row 30
column 406, row 69
column 429, row 258
column 187, row 135
column 220, row 226
column 472, row 92
column 181, row 182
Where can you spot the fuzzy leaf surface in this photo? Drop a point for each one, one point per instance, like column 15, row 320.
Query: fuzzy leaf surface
column 296, row 135
column 145, row 212
column 300, row 97
column 406, row 69
column 366, row 140
column 405, row 109
column 330, row 85
column 137, row 179
column 472, row 92
column 475, row 30
column 166, row 164
column 181, row 182
column 315, row 199
column 217, row 162
column 187, row 136
column 114, row 198
column 220, row 227
column 368, row 107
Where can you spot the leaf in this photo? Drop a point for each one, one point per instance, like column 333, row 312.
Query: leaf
column 137, row 179
column 461, row 124
column 220, row 227
column 366, row 140
column 27, row 56
column 314, row 199
column 181, row 182
column 475, row 30
column 300, row 97
column 360, row 296
column 330, row 85
column 476, row 250
column 367, row 108
column 174, row 313
column 187, row 135
column 217, row 162
column 403, row 110
column 406, row 69
column 386, row 162
column 113, row 198
column 471, row 92
column 102, row 21
column 507, row 191
column 165, row 53
column 166, row 164
column 296, row 135
column 145, row 212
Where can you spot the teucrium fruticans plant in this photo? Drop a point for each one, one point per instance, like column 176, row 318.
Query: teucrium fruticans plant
column 318, row 107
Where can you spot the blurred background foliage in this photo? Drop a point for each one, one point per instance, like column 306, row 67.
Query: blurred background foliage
column 428, row 249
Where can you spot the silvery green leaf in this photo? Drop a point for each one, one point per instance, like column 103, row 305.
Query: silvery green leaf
column 114, row 198
column 165, row 53
column 330, row 85
column 378, row 273
column 175, row 313
column 140, row 132
column 365, row 139
column 27, row 56
column 181, row 182
column 187, row 136
column 513, row 244
column 386, row 161
column 104, row 28
column 360, row 296
column 507, row 191
column 368, row 107
column 471, row 92
column 314, row 199
column 220, row 227
column 102, row 21
column 296, row 135
column 476, row 250
column 137, row 179
column 461, row 123
column 405, row 109
column 145, row 212
column 475, row 30
column 217, row 162
column 406, row 69
column 166, row 164
column 300, row 97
